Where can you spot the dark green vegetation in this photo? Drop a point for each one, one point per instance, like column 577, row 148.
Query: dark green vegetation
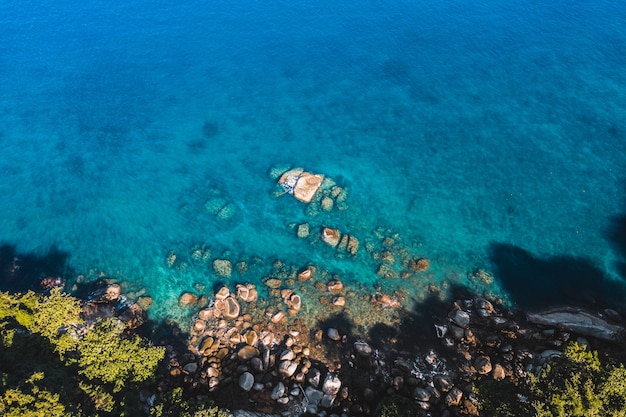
column 575, row 384
column 54, row 363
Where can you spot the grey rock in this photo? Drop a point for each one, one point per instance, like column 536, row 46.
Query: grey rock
column 287, row 368
column 578, row 321
column 314, row 396
column 333, row 334
column 460, row 318
column 327, row 401
column 363, row 349
column 420, row 394
column 314, row 377
column 246, row 381
column 287, row 355
column 278, row 391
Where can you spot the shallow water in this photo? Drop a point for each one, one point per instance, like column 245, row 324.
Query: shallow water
column 466, row 127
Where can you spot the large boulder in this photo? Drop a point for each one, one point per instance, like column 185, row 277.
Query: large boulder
column 579, row 322
column 306, row 186
column 231, row 308
column 331, row 236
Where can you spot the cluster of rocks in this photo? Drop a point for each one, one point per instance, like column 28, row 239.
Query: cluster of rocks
column 322, row 194
column 219, row 206
column 106, row 300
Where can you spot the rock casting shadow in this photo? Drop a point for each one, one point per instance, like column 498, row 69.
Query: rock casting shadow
column 534, row 283
column 21, row 272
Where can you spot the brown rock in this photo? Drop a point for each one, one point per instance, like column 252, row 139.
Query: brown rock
column 251, row 338
column 294, row 302
column 483, row 365
column 243, row 292
column 331, row 236
column 187, row 299
column 113, row 292
column 339, row 301
column 305, row 275
column 273, row 283
column 353, row 245
column 247, row 352
column 306, row 186
column 222, row 293
column 334, row 287
column 278, row 317
column 419, row 265
column 199, row 326
column 232, row 308
column 498, row 372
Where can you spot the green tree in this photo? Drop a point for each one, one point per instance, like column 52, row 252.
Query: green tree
column 108, row 357
column 579, row 385
column 30, row 400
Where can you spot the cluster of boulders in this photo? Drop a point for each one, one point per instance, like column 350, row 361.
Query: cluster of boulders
column 322, row 194
column 106, row 300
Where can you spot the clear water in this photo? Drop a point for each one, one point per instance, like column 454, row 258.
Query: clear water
column 469, row 127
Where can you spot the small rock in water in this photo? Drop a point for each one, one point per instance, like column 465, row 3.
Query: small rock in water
column 363, row 349
column 333, row 334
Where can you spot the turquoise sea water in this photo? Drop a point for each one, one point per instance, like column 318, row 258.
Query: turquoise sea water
column 487, row 134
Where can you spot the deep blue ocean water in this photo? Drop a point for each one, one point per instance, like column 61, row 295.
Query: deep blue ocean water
column 487, row 134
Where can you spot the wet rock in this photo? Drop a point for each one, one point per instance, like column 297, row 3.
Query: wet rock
column 440, row 331
column 419, row 265
column 247, row 352
column 187, row 299
column 287, row 355
column 278, row 391
column 222, row 293
column 314, row 377
column 482, row 364
column 331, row 384
column 386, row 301
column 305, row 274
column 443, row 383
column 460, row 318
column 246, row 381
column 113, row 292
column 277, row 317
column 498, row 372
column 231, row 308
column 190, row 368
column 287, row 368
column 334, row 287
column 314, row 395
column 306, row 186
column 420, row 394
column 222, row 267
column 333, row 334
column 363, row 349
column 330, row 236
column 578, row 321
column 327, row 401
column 339, row 301
column 454, row 397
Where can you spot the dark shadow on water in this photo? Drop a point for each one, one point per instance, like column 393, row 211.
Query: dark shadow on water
column 538, row 283
column 617, row 236
column 23, row 271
